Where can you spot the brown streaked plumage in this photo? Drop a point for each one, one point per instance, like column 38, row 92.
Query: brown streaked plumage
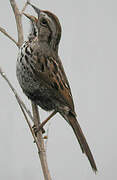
column 41, row 74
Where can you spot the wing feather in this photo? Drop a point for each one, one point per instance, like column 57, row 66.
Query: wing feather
column 54, row 77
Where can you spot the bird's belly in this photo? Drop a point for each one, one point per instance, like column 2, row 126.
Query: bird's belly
column 33, row 88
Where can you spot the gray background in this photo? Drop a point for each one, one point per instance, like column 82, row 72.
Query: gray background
column 88, row 52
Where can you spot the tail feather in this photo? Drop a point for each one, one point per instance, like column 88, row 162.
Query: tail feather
column 81, row 139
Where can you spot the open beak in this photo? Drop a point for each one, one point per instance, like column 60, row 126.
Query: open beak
column 32, row 18
column 37, row 10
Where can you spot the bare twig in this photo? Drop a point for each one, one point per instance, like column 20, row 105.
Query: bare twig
column 42, row 152
column 15, row 93
column 30, row 127
column 6, row 34
column 18, row 22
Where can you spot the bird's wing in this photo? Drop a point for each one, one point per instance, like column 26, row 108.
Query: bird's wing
column 51, row 71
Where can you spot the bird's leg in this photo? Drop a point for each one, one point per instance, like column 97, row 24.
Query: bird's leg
column 46, row 120
column 43, row 123
column 35, row 129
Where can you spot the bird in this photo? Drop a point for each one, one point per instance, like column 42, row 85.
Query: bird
column 41, row 74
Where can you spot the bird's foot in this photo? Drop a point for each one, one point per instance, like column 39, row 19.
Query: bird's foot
column 36, row 130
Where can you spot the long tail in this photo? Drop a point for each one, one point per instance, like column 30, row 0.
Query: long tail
column 81, row 139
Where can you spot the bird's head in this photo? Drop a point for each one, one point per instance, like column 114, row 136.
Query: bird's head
column 48, row 26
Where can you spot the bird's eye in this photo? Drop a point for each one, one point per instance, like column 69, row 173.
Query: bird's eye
column 44, row 22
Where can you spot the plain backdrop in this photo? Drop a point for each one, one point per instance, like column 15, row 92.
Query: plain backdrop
column 88, row 52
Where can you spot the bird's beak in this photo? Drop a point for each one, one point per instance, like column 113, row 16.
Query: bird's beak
column 37, row 10
column 32, row 18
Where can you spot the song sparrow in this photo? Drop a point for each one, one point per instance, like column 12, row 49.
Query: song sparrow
column 41, row 75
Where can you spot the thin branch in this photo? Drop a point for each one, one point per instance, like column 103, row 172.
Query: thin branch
column 6, row 34
column 42, row 152
column 18, row 22
column 30, row 127
column 15, row 93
